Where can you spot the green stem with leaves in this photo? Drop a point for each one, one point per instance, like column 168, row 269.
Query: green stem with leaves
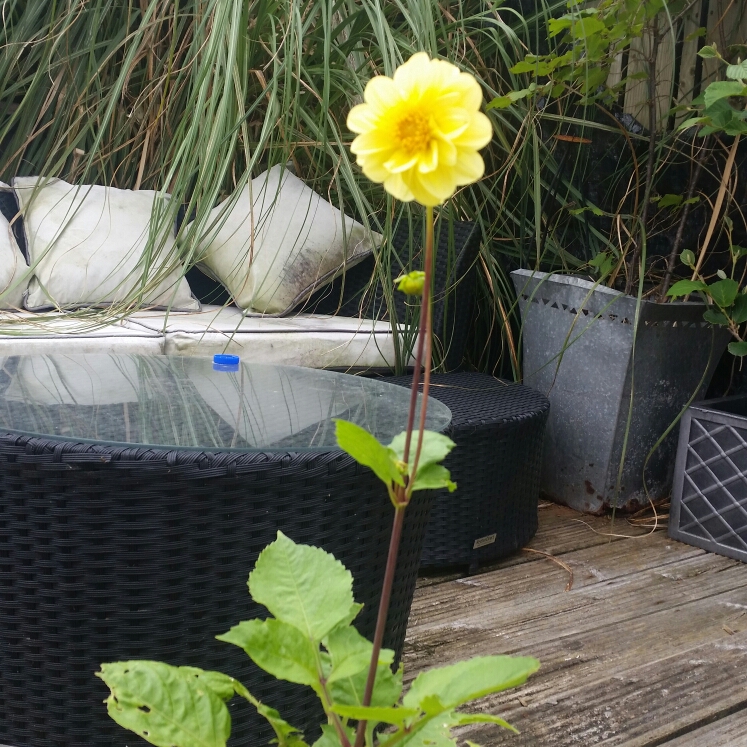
column 403, row 494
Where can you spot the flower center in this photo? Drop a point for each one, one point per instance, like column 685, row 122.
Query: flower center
column 414, row 132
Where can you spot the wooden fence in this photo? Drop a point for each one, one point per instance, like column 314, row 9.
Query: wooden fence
column 680, row 73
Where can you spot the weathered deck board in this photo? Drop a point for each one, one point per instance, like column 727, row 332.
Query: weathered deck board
column 731, row 729
column 648, row 646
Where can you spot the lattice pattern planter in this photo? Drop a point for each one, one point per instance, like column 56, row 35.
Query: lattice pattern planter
column 709, row 500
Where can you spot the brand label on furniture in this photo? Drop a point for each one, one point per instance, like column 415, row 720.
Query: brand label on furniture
column 487, row 540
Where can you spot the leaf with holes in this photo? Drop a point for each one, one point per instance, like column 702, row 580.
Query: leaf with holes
column 165, row 705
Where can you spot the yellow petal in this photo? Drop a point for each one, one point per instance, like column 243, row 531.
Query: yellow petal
column 477, row 135
column 440, row 183
column 413, row 76
column 374, row 170
column 469, row 167
column 373, row 141
column 419, row 190
column 401, row 161
column 397, row 188
column 447, row 152
column 361, row 118
column 429, row 160
column 381, row 94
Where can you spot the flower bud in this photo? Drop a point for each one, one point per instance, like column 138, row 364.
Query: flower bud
column 412, row 283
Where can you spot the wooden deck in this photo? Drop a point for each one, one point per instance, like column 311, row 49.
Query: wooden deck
column 648, row 647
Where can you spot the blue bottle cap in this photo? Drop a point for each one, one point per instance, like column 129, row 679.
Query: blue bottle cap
column 225, row 362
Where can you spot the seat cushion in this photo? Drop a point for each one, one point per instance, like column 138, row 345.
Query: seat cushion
column 45, row 334
column 313, row 341
column 279, row 242
column 87, row 245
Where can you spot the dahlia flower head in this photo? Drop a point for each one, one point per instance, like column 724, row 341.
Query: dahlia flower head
column 419, row 132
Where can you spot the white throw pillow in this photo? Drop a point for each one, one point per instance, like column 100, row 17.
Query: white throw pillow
column 299, row 244
column 86, row 246
column 14, row 271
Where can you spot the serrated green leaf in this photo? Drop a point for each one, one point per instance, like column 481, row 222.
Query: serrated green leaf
column 737, row 72
column 287, row 735
column 387, row 688
column 738, row 348
column 715, row 317
column 557, row 25
column 684, row 287
column 688, row 257
column 707, row 52
column 366, row 450
column 723, row 292
column 278, row 648
column 165, row 706
column 468, row 680
column 722, row 89
column 302, row 586
column 396, row 716
column 350, row 653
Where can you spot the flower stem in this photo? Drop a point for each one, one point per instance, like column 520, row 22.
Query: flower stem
column 403, row 494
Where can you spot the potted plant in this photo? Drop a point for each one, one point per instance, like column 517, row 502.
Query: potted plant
column 618, row 360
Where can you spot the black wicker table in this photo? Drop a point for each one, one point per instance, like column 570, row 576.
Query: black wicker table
column 498, row 428
column 135, row 495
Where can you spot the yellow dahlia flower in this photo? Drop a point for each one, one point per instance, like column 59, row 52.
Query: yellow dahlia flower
column 419, row 132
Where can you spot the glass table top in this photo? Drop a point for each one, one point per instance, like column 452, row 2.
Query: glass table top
column 189, row 403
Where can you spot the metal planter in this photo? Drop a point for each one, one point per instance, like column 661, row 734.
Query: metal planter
column 709, row 498
column 580, row 349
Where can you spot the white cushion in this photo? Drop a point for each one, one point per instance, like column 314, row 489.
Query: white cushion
column 86, row 247
column 37, row 334
column 299, row 243
column 309, row 340
column 14, row 271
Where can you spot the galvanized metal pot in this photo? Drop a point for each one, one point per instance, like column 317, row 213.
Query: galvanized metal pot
column 613, row 386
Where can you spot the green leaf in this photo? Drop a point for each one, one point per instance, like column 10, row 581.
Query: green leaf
column 688, row 258
column 738, row 251
column 221, row 684
column 669, row 201
column 722, row 89
column 715, row 317
column 708, row 52
column 684, row 287
column 435, row 448
column 696, row 34
column 723, row 292
column 287, row 735
column 396, row 716
column 557, row 25
column 738, row 312
column 586, row 27
column 277, row 647
column 165, row 705
column 435, row 733
column 692, row 122
column 737, row 72
column 461, row 719
column 468, row 680
column 738, row 348
column 350, row 653
column 329, row 737
column 434, row 477
column 366, row 450
column 387, row 688
column 302, row 586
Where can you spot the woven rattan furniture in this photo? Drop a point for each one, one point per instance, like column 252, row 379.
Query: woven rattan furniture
column 135, row 495
column 498, row 428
